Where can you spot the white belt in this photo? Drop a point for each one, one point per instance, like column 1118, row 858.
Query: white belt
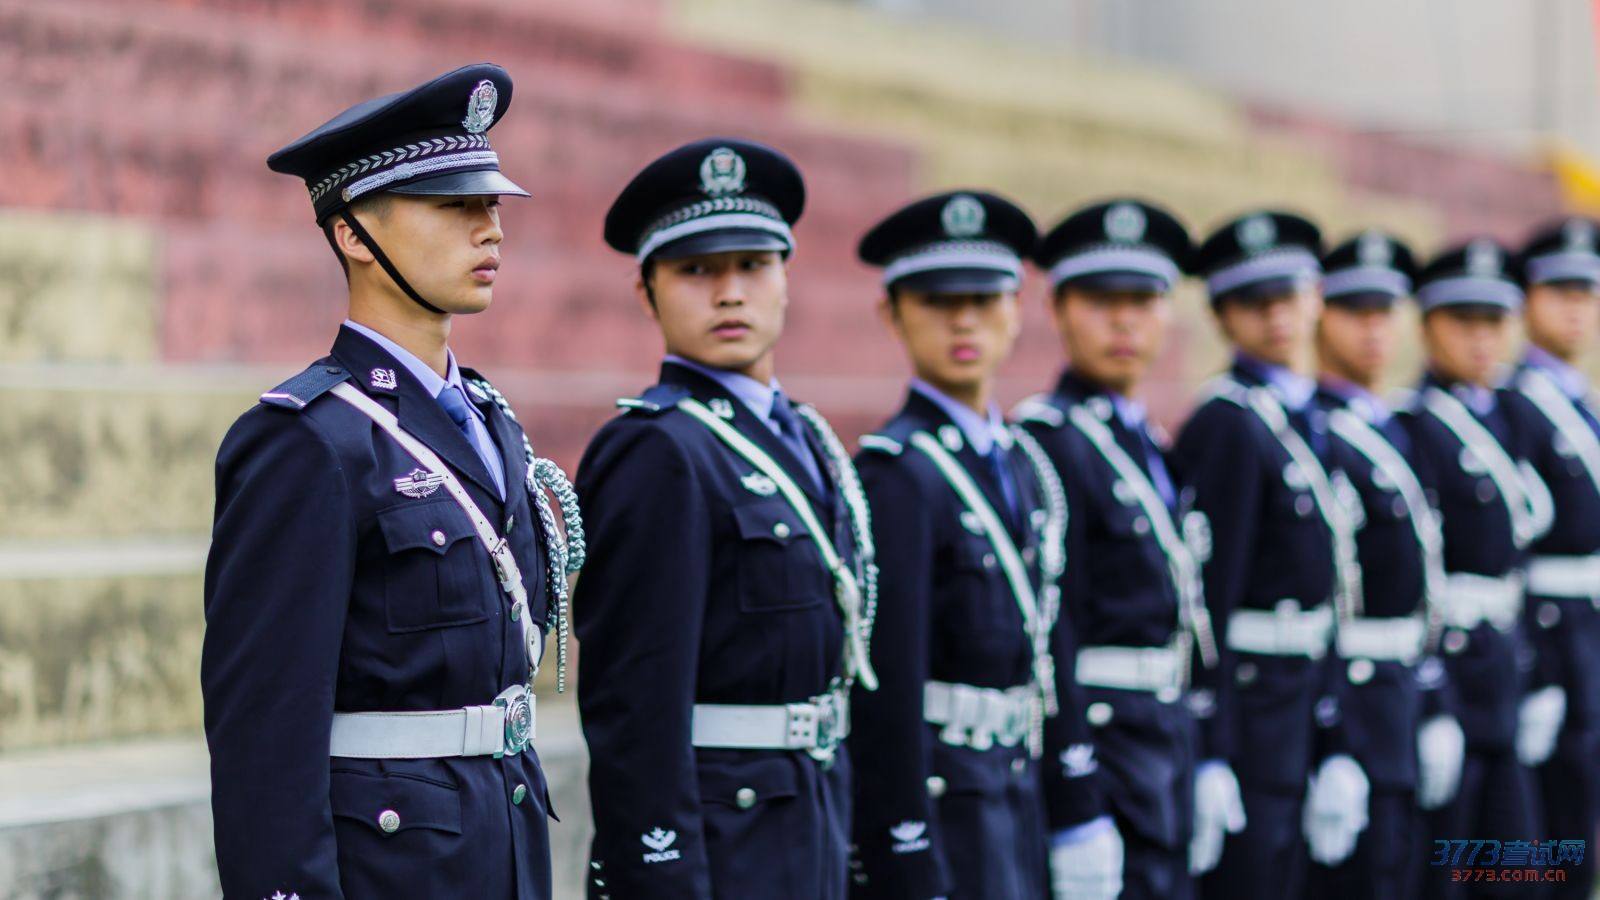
column 1158, row 669
column 503, row 728
column 1576, row 577
column 1473, row 599
column 979, row 717
column 815, row 726
column 1287, row 630
column 1386, row 639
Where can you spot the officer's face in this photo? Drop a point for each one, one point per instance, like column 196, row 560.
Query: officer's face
column 1111, row 336
column 1564, row 318
column 955, row 341
column 1356, row 342
column 1275, row 329
column 1466, row 343
column 723, row 310
column 448, row 248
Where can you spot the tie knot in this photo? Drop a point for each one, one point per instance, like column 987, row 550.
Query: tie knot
column 455, row 405
column 783, row 416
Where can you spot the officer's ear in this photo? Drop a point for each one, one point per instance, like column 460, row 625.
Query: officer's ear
column 644, row 289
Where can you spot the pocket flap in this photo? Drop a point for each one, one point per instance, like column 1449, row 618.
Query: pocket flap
column 772, row 520
column 414, row 803
column 757, row 780
column 432, row 525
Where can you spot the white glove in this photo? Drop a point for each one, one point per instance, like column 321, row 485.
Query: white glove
column 1440, row 749
column 1538, row 723
column 1336, row 809
column 1089, row 867
column 1218, row 811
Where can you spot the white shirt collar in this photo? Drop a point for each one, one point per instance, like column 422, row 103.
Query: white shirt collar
column 981, row 432
column 1572, row 382
column 757, row 397
column 421, row 371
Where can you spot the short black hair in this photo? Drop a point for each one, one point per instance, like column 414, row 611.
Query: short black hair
column 377, row 204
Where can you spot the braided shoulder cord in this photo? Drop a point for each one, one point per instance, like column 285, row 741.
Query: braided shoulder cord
column 1052, row 561
column 564, row 555
column 855, row 499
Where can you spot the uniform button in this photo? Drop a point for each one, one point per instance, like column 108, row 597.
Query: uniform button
column 936, row 786
column 599, row 882
column 1455, row 641
column 1303, row 505
column 516, row 612
column 781, row 529
column 1485, row 491
column 1361, row 671
column 520, row 794
column 596, row 865
column 860, row 878
column 511, row 521
column 389, row 821
column 1168, row 695
column 1141, row 525
column 1019, row 766
column 745, row 797
column 1398, row 507
column 1548, row 615
column 1245, row 673
column 438, row 538
column 1098, row 713
column 988, row 560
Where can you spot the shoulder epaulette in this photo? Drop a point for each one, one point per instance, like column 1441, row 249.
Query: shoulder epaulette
column 881, row 444
column 1038, row 408
column 298, row 392
column 657, row 399
column 1222, row 387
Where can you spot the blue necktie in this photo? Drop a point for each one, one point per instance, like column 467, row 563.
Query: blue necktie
column 1157, row 468
column 456, row 407
column 789, row 432
column 1002, row 473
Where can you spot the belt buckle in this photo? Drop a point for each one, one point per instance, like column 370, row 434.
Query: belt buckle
column 832, row 724
column 517, row 701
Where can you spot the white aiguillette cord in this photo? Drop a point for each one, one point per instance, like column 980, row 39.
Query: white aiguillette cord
column 506, row 570
column 847, row 592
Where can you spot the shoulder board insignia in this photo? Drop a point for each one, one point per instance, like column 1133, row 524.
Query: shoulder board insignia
column 880, row 444
column 656, row 400
column 1038, row 408
column 298, row 392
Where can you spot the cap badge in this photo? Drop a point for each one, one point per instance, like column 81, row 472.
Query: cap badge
column 1125, row 223
column 1483, row 259
column 963, row 216
column 1257, row 233
column 1579, row 234
column 722, row 173
column 1373, row 250
column 480, row 107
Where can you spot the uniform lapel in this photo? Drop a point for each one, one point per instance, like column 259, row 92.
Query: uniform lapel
column 419, row 414
column 976, row 466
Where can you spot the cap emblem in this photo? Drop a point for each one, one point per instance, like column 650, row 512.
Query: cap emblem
column 1125, row 223
column 480, row 107
column 963, row 216
column 1373, row 250
column 722, row 173
column 1579, row 234
column 1257, row 233
column 1483, row 259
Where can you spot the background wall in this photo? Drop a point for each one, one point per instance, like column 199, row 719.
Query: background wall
column 155, row 277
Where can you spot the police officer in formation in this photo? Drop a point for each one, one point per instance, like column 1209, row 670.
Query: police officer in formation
column 1120, row 758
column 1279, row 571
column 1409, row 746
column 383, row 560
column 725, row 609
column 1471, row 449
column 967, row 521
column 1560, row 272
column 1275, row 660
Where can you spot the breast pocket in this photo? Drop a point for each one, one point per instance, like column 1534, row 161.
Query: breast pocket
column 434, row 576
column 780, row 568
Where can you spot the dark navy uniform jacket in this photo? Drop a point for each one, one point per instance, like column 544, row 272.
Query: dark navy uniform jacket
column 946, row 612
column 327, row 590
column 1269, row 543
column 1381, row 704
column 1568, row 653
column 1484, row 668
column 693, row 594
column 1116, row 591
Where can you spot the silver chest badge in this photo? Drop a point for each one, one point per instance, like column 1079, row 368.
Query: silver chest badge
column 384, row 379
column 722, row 173
column 759, row 484
column 418, row 484
column 480, row 107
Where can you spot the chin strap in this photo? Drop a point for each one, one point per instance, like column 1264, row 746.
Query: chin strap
column 383, row 260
